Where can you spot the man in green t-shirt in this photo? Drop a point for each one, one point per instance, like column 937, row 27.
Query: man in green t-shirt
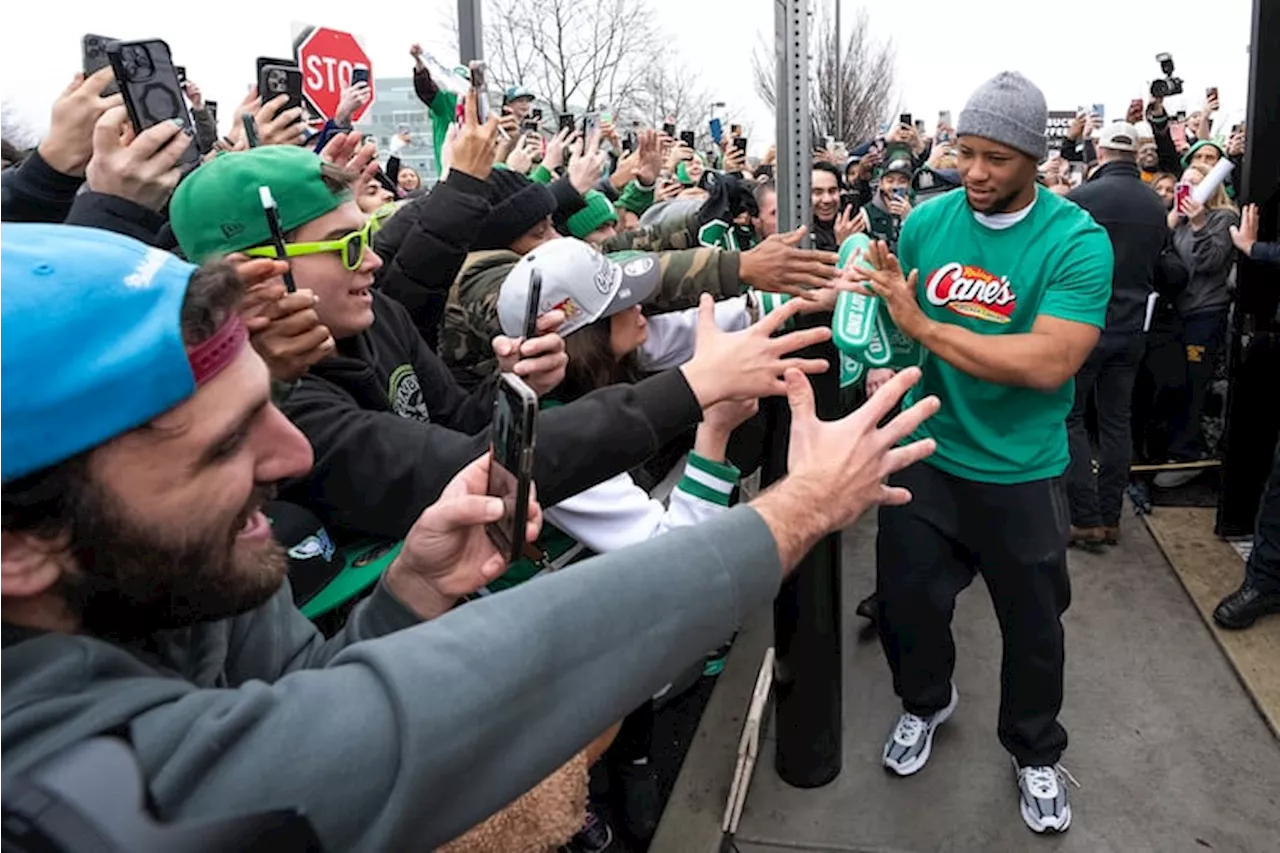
column 1006, row 285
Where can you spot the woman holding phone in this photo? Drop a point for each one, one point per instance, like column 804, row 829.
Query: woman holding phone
column 610, row 341
column 1202, row 240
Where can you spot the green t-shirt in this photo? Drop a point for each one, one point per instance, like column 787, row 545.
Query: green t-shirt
column 1057, row 262
column 443, row 109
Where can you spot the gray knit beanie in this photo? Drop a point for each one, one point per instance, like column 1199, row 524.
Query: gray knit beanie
column 1008, row 109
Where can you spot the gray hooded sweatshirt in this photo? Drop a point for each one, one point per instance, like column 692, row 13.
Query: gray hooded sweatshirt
column 1209, row 255
column 395, row 734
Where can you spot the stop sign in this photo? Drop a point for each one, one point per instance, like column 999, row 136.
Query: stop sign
column 327, row 58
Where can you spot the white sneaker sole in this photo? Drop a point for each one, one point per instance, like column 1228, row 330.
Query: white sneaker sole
column 918, row 763
column 1037, row 824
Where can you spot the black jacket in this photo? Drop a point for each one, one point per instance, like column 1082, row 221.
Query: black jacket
column 1267, row 253
column 423, row 247
column 33, row 191
column 113, row 213
column 390, row 427
column 1134, row 217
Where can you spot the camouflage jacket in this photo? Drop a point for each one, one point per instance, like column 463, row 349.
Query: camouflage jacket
column 471, row 314
column 676, row 232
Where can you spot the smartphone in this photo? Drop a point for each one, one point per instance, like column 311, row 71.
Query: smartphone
column 1181, row 115
column 740, row 142
column 689, row 138
column 94, row 54
column 150, row 88
column 669, row 128
column 511, row 445
column 905, row 120
column 1075, row 175
column 1135, row 106
column 182, row 73
column 211, row 107
column 1178, row 133
column 735, row 130
column 529, row 125
column 920, row 126
column 1099, row 110
column 944, row 117
column 1181, row 192
column 277, row 80
column 566, row 121
column 1211, row 93
column 531, row 305
column 899, row 193
column 360, row 74
column 536, row 114
column 717, row 129
column 478, row 86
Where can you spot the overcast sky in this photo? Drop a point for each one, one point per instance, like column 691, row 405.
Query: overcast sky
column 1104, row 53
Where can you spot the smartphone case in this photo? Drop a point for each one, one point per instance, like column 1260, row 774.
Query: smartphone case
column 94, row 53
column 276, row 80
column 149, row 84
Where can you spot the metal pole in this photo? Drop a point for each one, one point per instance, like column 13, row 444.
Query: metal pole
column 470, row 31
column 1254, row 357
column 838, row 130
column 806, row 613
column 794, row 151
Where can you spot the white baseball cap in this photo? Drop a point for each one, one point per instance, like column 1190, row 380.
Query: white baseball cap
column 578, row 280
column 1119, row 136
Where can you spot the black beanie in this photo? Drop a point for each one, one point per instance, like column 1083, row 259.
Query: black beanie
column 518, row 205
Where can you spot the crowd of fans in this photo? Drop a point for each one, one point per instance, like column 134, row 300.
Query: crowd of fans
column 244, row 497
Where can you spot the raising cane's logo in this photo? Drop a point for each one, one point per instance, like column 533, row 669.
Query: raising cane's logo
column 971, row 292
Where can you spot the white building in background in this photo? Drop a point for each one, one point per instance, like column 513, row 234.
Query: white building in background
column 396, row 107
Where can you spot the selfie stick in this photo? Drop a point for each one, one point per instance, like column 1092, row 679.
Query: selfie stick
column 277, row 233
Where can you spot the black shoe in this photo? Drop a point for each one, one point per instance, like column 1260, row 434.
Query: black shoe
column 636, row 801
column 1242, row 608
column 867, row 608
column 594, row 837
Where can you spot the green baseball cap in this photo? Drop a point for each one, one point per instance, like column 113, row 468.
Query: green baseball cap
column 217, row 209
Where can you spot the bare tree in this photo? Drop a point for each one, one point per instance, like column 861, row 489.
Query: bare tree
column 865, row 80
column 671, row 91
column 577, row 54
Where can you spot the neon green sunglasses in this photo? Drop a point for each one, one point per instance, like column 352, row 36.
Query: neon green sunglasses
column 350, row 247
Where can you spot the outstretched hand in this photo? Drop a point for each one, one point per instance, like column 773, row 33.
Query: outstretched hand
column 887, row 281
column 749, row 363
column 779, row 265
column 847, row 461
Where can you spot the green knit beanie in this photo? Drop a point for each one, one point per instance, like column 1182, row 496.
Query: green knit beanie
column 599, row 211
column 682, row 170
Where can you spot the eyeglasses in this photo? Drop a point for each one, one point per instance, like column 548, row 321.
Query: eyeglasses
column 350, row 247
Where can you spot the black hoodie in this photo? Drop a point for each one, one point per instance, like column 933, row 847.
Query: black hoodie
column 1134, row 217
column 390, row 427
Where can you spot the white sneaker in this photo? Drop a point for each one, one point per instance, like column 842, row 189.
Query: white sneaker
column 1043, row 795
column 907, row 749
